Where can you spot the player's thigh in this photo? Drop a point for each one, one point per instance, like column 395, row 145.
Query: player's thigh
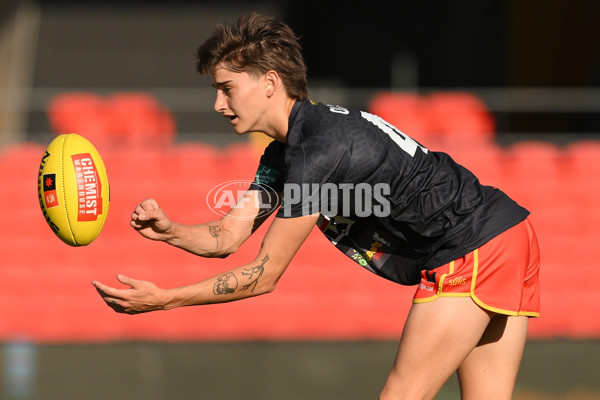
column 437, row 337
column 490, row 370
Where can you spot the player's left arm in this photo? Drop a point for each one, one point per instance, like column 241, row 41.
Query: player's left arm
column 282, row 240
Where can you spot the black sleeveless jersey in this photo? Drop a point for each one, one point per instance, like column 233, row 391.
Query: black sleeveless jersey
column 386, row 201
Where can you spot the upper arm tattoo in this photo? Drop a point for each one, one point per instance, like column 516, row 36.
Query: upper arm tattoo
column 215, row 231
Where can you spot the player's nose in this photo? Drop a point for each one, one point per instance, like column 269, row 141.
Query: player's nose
column 220, row 104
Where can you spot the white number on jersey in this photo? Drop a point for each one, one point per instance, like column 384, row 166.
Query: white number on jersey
column 406, row 143
column 339, row 110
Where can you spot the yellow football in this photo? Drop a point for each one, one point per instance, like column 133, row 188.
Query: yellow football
column 73, row 189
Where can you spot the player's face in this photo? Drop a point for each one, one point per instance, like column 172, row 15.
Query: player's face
column 240, row 98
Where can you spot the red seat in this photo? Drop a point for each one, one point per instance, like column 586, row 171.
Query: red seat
column 122, row 120
column 459, row 117
column 584, row 157
column 240, row 161
column 535, row 174
column 19, row 168
column 406, row 111
column 138, row 120
column 484, row 160
column 79, row 112
column 196, row 162
column 582, row 166
column 583, row 160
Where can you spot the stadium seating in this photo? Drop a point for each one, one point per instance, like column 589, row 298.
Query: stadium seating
column 439, row 119
column 459, row 118
column 79, row 112
column 583, row 168
column 138, row 120
column 406, row 111
column 486, row 160
column 45, row 290
column 122, row 119
column 533, row 168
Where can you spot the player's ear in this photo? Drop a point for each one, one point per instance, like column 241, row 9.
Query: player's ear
column 272, row 81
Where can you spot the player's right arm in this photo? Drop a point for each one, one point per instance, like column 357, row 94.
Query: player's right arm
column 217, row 238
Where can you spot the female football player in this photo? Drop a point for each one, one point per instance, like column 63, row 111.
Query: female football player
column 404, row 212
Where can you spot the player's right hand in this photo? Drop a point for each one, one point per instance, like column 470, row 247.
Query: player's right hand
column 151, row 221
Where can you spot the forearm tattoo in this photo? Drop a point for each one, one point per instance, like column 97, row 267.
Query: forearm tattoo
column 215, row 231
column 225, row 284
column 228, row 282
column 254, row 274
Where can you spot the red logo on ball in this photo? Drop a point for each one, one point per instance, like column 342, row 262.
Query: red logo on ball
column 89, row 187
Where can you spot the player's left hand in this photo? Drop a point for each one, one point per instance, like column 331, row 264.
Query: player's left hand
column 140, row 297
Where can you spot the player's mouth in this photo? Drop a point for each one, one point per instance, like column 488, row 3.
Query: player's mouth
column 232, row 118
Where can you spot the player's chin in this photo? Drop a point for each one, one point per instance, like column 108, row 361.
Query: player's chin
column 240, row 130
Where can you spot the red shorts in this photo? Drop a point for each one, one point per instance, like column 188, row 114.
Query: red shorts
column 501, row 276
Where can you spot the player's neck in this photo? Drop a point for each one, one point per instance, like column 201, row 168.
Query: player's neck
column 281, row 117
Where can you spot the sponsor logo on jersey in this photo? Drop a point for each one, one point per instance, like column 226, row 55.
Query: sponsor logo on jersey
column 375, row 252
column 357, row 257
column 381, row 240
column 266, row 175
column 335, row 228
column 89, row 187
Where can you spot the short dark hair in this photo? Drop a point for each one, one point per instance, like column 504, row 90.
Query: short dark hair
column 256, row 44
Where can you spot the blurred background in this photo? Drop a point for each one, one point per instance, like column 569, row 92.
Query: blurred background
column 508, row 88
